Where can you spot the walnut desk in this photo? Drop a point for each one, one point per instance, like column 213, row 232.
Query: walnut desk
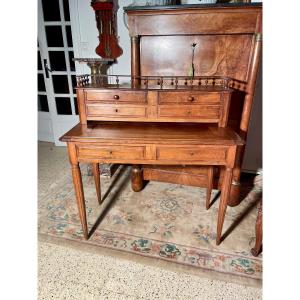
column 151, row 143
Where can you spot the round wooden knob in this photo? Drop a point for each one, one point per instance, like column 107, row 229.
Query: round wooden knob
column 116, row 97
column 116, row 110
column 191, row 98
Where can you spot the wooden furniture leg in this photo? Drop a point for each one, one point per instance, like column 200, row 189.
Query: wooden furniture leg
column 235, row 198
column 235, row 191
column 77, row 181
column 96, row 174
column 225, row 193
column 210, row 182
column 137, row 182
column 258, row 228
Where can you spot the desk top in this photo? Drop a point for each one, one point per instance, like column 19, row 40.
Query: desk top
column 147, row 133
column 192, row 6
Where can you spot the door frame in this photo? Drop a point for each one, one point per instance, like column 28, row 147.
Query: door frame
column 60, row 123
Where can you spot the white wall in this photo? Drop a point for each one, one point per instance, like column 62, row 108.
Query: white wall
column 123, row 66
column 85, row 36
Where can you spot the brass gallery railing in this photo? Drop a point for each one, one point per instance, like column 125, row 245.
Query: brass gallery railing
column 150, row 82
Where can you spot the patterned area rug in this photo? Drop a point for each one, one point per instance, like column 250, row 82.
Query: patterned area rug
column 165, row 221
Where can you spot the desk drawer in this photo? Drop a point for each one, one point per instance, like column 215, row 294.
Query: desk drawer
column 115, row 111
column 117, row 96
column 211, row 112
column 198, row 153
column 111, row 152
column 188, row 97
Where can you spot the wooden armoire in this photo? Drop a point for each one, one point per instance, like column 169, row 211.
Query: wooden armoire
column 226, row 40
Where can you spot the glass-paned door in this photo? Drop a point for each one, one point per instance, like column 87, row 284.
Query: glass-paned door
column 56, row 70
column 45, row 131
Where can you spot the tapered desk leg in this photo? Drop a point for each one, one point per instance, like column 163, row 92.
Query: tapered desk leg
column 225, row 193
column 210, row 181
column 96, row 173
column 258, row 230
column 137, row 182
column 77, row 181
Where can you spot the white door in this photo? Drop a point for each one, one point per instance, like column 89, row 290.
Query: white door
column 57, row 103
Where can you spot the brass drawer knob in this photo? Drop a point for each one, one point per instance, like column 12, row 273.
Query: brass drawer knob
column 191, row 98
column 116, row 97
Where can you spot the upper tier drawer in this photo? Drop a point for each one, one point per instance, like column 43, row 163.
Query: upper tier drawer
column 115, row 111
column 206, row 112
column 188, row 97
column 117, row 96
